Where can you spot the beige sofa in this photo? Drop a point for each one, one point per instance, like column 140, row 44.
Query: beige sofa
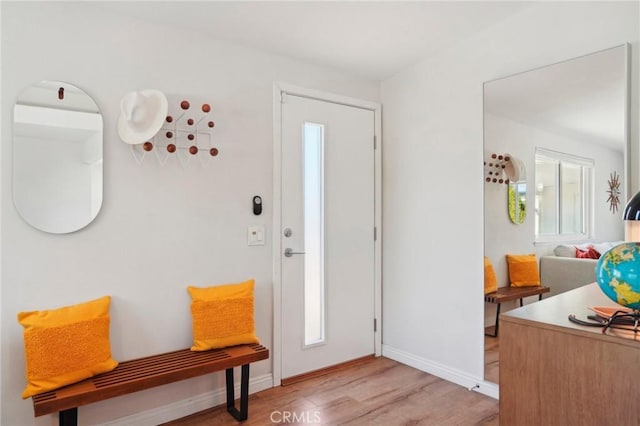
column 563, row 271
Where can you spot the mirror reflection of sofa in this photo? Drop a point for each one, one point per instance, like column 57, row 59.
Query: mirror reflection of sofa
column 564, row 271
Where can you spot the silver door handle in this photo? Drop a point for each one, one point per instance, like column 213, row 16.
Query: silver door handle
column 288, row 252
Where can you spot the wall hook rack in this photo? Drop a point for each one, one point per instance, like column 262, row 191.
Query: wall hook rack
column 503, row 169
column 187, row 132
column 494, row 168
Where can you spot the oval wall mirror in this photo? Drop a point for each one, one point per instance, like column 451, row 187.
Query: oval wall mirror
column 517, row 202
column 517, row 189
column 57, row 157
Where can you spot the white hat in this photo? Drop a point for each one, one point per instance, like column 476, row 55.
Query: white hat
column 514, row 169
column 141, row 115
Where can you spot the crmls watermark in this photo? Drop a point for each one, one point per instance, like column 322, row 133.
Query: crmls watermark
column 293, row 417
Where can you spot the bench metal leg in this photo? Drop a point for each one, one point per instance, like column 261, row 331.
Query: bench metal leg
column 243, row 413
column 495, row 328
column 539, row 298
column 68, row 417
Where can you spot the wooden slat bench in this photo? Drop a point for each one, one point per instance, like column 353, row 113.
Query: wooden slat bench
column 506, row 294
column 144, row 373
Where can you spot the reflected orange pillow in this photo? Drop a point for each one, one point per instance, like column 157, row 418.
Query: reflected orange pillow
column 523, row 270
column 490, row 279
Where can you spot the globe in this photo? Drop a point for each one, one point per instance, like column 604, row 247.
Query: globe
column 618, row 274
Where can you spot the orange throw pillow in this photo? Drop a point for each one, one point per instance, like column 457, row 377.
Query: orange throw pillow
column 66, row 345
column 490, row 279
column 222, row 316
column 523, row 270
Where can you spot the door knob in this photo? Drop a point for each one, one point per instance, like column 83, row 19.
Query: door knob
column 288, row 252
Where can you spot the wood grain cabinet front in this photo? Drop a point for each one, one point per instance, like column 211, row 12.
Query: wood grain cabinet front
column 554, row 372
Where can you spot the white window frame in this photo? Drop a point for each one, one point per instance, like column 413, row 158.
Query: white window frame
column 588, row 189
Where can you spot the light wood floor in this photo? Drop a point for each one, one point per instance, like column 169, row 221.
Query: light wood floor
column 377, row 392
column 491, row 358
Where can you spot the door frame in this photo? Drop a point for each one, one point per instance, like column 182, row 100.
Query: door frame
column 281, row 89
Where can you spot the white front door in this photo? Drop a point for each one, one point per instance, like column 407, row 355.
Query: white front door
column 327, row 234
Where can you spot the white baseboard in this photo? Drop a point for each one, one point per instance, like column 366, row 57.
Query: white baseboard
column 453, row 375
column 189, row 406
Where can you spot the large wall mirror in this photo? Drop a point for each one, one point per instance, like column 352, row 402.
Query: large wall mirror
column 57, row 157
column 567, row 124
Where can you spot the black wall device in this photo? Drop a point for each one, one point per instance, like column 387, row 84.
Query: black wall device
column 257, row 205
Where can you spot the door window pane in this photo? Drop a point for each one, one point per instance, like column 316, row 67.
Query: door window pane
column 313, row 187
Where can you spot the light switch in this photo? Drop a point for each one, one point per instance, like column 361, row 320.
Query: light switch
column 255, row 235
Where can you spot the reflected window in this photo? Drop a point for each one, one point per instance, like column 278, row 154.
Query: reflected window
column 563, row 201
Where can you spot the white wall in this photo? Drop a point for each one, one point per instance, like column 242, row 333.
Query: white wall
column 501, row 235
column 433, row 175
column 160, row 228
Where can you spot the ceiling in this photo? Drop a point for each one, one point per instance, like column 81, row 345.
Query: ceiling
column 583, row 98
column 377, row 39
column 373, row 40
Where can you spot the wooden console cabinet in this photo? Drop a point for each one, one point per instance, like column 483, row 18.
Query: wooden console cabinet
column 554, row 372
